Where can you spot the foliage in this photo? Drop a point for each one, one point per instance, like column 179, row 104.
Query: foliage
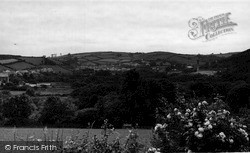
column 85, row 116
column 239, row 97
column 56, row 111
column 102, row 144
column 197, row 127
column 30, row 92
column 17, row 109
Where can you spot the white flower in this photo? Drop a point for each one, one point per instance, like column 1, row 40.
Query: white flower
column 222, row 135
column 231, row 140
column 168, row 116
column 186, row 114
column 210, row 126
column 175, row 109
column 179, row 113
column 199, row 104
column 207, row 123
column 164, row 125
column 225, row 111
column 188, row 110
column 189, row 124
column 199, row 135
column 158, row 126
column 212, row 112
column 154, row 150
column 204, row 103
column 201, row 129
column 189, row 151
column 243, row 132
column 196, row 133
column 231, row 124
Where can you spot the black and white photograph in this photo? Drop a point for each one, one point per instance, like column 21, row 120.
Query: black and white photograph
column 124, row 76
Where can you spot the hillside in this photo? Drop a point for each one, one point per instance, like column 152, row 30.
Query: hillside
column 18, row 63
column 237, row 63
column 119, row 60
column 112, row 61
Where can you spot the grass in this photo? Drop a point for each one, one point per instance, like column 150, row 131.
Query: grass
column 21, row 134
column 20, row 66
column 6, row 61
column 33, row 60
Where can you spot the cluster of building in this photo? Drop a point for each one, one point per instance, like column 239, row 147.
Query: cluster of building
column 103, row 67
column 5, row 75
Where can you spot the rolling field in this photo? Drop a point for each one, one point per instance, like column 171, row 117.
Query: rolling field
column 24, row 134
column 33, row 60
column 20, row 66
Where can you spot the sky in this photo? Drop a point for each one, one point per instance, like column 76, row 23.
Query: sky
column 45, row 27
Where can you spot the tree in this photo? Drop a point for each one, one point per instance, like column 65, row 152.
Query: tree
column 30, row 92
column 17, row 109
column 56, row 111
column 86, row 116
column 202, row 89
column 112, row 108
column 239, row 97
column 130, row 95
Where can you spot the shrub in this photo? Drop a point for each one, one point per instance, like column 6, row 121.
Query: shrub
column 239, row 97
column 56, row 111
column 30, row 92
column 85, row 116
column 197, row 127
column 17, row 109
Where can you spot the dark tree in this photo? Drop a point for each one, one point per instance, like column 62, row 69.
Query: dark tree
column 17, row 110
column 56, row 111
column 239, row 97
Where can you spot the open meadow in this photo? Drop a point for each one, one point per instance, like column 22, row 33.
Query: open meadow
column 37, row 134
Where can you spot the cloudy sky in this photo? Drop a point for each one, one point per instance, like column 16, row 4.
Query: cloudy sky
column 43, row 27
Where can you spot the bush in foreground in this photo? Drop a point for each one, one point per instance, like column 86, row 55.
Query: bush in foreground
column 199, row 127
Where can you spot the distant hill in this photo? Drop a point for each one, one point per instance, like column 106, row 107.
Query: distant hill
column 118, row 58
column 17, row 63
column 67, row 63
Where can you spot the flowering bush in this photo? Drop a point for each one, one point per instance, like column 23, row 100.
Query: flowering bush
column 199, row 127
